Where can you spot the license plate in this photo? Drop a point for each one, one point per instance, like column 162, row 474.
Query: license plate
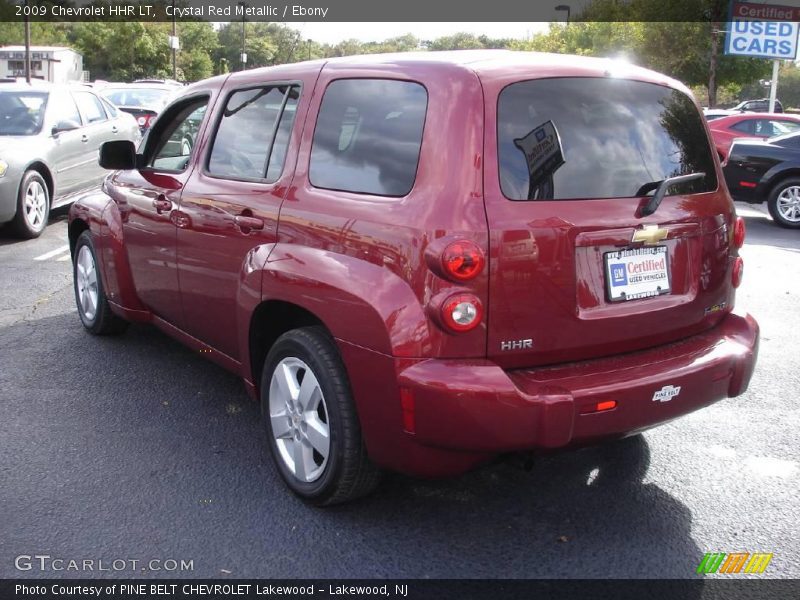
column 637, row 273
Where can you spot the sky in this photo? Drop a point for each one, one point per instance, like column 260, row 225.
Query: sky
column 333, row 33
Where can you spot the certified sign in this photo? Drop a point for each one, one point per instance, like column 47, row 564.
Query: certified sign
column 637, row 273
column 763, row 30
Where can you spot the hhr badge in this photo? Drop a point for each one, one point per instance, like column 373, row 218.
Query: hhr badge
column 516, row 345
column 666, row 393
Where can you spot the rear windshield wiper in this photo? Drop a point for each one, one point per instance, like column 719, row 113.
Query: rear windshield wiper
column 661, row 188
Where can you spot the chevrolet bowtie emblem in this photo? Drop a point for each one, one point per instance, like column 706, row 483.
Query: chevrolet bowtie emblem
column 650, row 234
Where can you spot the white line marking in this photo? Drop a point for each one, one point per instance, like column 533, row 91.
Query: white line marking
column 52, row 253
column 64, row 258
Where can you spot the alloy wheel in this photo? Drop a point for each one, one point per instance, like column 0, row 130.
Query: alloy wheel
column 788, row 204
column 86, row 280
column 299, row 419
column 35, row 205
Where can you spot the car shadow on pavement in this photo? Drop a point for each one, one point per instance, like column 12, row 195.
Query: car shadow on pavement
column 137, row 446
column 56, row 215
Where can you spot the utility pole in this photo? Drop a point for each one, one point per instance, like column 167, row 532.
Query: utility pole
column 712, row 66
column 243, row 57
column 27, row 44
column 773, row 88
column 174, row 44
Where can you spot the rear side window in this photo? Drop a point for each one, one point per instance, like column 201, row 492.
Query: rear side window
column 253, row 135
column 744, row 126
column 91, row 107
column 368, row 136
column 577, row 138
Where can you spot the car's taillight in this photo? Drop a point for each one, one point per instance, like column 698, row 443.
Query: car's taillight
column 144, row 120
column 738, row 272
column 462, row 312
column 738, row 232
column 462, row 260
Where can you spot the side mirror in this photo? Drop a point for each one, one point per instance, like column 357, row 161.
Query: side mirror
column 64, row 126
column 118, row 155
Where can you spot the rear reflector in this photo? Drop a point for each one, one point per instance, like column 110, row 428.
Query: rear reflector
column 407, row 405
column 738, row 232
column 738, row 272
column 462, row 312
column 747, row 184
column 599, row 407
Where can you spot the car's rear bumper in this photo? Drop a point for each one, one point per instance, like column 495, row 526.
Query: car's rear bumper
column 477, row 409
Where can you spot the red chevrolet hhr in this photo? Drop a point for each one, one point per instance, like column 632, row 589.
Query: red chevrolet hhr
column 418, row 262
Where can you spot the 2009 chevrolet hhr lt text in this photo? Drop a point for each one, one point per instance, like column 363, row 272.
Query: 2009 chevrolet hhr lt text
column 418, row 262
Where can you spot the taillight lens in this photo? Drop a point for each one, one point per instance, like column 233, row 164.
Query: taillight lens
column 463, row 260
column 738, row 232
column 738, row 272
column 462, row 312
column 142, row 121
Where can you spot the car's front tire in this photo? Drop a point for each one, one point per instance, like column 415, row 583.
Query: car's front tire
column 784, row 203
column 311, row 422
column 90, row 296
column 33, row 206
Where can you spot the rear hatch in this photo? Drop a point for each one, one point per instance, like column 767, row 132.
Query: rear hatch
column 578, row 269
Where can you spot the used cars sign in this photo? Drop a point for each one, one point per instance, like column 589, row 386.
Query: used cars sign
column 763, row 30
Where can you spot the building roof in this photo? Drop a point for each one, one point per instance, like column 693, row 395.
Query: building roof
column 36, row 49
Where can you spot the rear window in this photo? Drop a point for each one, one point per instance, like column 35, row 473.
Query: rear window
column 368, row 136
column 576, row 138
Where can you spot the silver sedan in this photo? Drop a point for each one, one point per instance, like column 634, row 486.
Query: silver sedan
column 50, row 137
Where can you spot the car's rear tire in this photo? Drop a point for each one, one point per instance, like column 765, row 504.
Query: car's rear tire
column 33, row 206
column 313, row 429
column 784, row 203
column 90, row 296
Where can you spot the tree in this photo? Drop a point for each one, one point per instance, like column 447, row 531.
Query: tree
column 199, row 43
column 123, row 51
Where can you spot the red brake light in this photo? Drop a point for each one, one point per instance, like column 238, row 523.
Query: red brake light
column 462, row 312
column 738, row 232
column 738, row 272
column 463, row 260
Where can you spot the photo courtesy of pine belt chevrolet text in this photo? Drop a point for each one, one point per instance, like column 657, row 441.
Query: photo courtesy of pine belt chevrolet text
column 420, row 262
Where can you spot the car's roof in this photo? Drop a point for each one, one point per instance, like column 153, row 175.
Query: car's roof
column 486, row 63
column 138, row 86
column 752, row 116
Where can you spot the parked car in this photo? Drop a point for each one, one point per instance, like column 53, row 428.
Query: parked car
column 760, row 125
column 142, row 100
column 331, row 234
column 761, row 105
column 50, row 137
column 717, row 113
column 758, row 171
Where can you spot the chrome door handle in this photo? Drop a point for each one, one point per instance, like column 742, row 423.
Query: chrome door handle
column 249, row 223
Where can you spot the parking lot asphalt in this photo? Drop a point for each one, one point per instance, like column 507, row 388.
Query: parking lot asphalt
column 135, row 448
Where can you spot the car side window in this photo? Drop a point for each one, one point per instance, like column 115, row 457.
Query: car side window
column 91, row 107
column 253, row 134
column 781, row 127
column 745, row 127
column 64, row 109
column 170, row 147
column 368, row 136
